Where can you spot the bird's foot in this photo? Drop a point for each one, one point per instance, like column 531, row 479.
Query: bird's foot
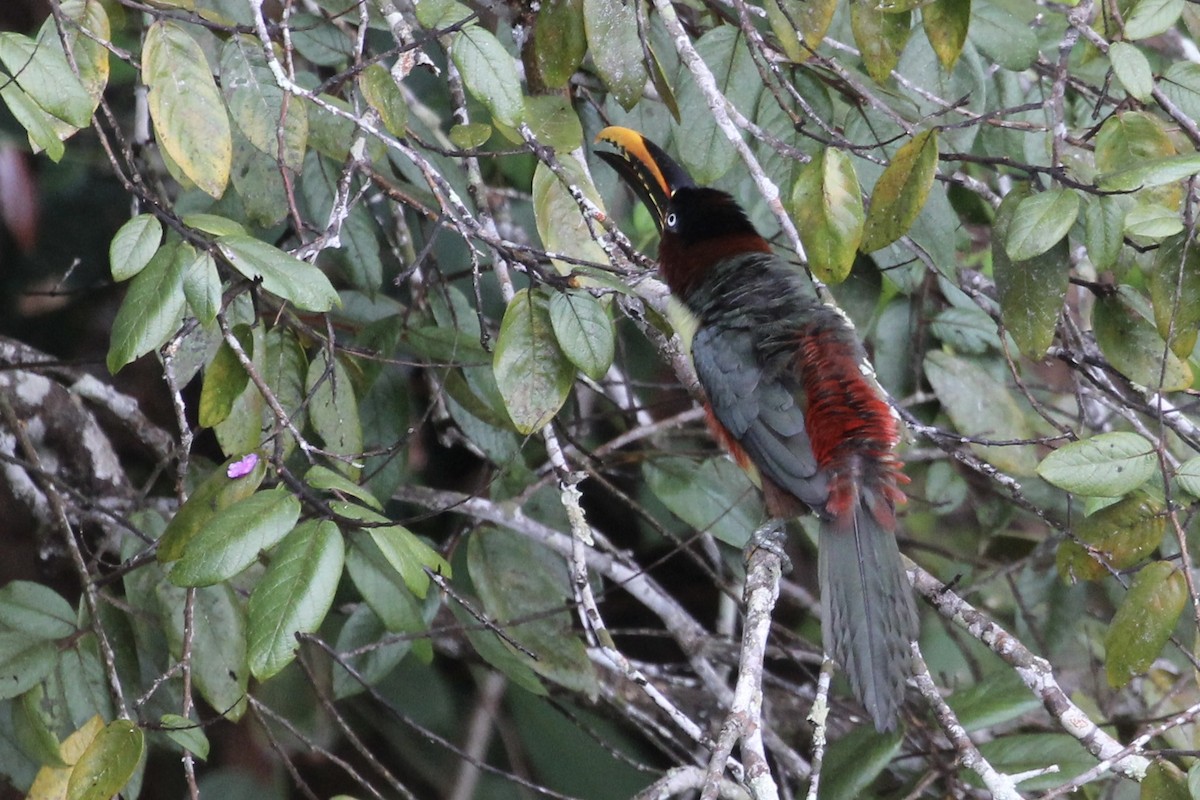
column 770, row 536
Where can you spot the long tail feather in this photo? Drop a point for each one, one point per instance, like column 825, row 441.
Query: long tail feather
column 869, row 616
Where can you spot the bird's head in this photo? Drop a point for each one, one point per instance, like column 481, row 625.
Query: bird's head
column 699, row 225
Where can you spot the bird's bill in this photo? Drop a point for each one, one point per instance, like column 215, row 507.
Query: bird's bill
column 652, row 174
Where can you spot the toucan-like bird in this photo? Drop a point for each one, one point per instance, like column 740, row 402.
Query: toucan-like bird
column 792, row 396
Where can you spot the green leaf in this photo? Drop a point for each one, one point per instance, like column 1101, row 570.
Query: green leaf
column 713, row 497
column 554, row 122
column 1027, row 752
column 293, row 596
column 1000, row 697
column 134, row 245
column 880, row 37
column 704, row 150
column 946, row 23
column 901, row 191
column 217, row 493
column 829, row 214
column 224, row 379
column 41, row 70
column 364, row 646
column 1105, row 465
column 497, row 653
column 1118, row 537
column 1132, row 69
column 153, row 307
column 33, row 729
column 560, row 41
column 1131, row 342
column 441, row 13
column 286, row 276
column 560, row 224
column 1039, row 222
column 42, row 128
column 333, row 411
column 233, row 538
column 1157, row 172
column 1104, row 230
column 186, row 733
column 1188, row 476
column 982, row 407
column 189, row 117
column 533, row 375
column 1181, row 84
column 854, row 761
column 320, row 477
column 35, row 610
column 320, row 41
column 1175, row 293
column 259, row 107
column 108, row 763
column 489, row 74
column 1002, row 38
column 967, row 330
column 1031, row 292
column 202, row 288
column 215, row 224
column 611, row 28
column 523, row 585
column 383, row 589
column 1164, row 781
column 1144, row 621
column 407, row 554
column 24, row 661
column 584, row 332
column 218, row 643
column 1149, row 222
column 1152, row 18
column 472, row 136
column 380, row 91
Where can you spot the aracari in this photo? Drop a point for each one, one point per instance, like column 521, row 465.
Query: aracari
column 792, row 396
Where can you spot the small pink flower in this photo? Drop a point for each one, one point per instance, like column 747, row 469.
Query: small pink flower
column 243, row 466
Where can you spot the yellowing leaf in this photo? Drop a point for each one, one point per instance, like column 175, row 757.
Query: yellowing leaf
column 946, row 23
column 880, row 36
column 901, row 191
column 1117, row 537
column 51, row 782
column 829, row 214
column 108, row 763
column 1144, row 622
column 189, row 116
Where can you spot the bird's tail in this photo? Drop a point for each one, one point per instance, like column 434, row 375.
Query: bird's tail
column 869, row 618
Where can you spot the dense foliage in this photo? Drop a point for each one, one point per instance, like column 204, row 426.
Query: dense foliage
column 381, row 480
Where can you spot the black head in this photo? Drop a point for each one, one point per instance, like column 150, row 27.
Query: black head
column 695, row 214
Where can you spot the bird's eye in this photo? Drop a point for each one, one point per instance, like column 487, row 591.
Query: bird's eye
column 672, row 219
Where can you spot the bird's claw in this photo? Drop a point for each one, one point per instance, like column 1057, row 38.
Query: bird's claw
column 770, row 536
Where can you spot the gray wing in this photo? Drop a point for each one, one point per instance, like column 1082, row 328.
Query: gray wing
column 755, row 399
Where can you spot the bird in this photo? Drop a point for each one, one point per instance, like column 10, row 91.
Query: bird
column 793, row 398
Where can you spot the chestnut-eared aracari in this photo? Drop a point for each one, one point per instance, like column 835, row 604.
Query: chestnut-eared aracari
column 792, row 396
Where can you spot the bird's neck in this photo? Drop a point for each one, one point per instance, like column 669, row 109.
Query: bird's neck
column 686, row 265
